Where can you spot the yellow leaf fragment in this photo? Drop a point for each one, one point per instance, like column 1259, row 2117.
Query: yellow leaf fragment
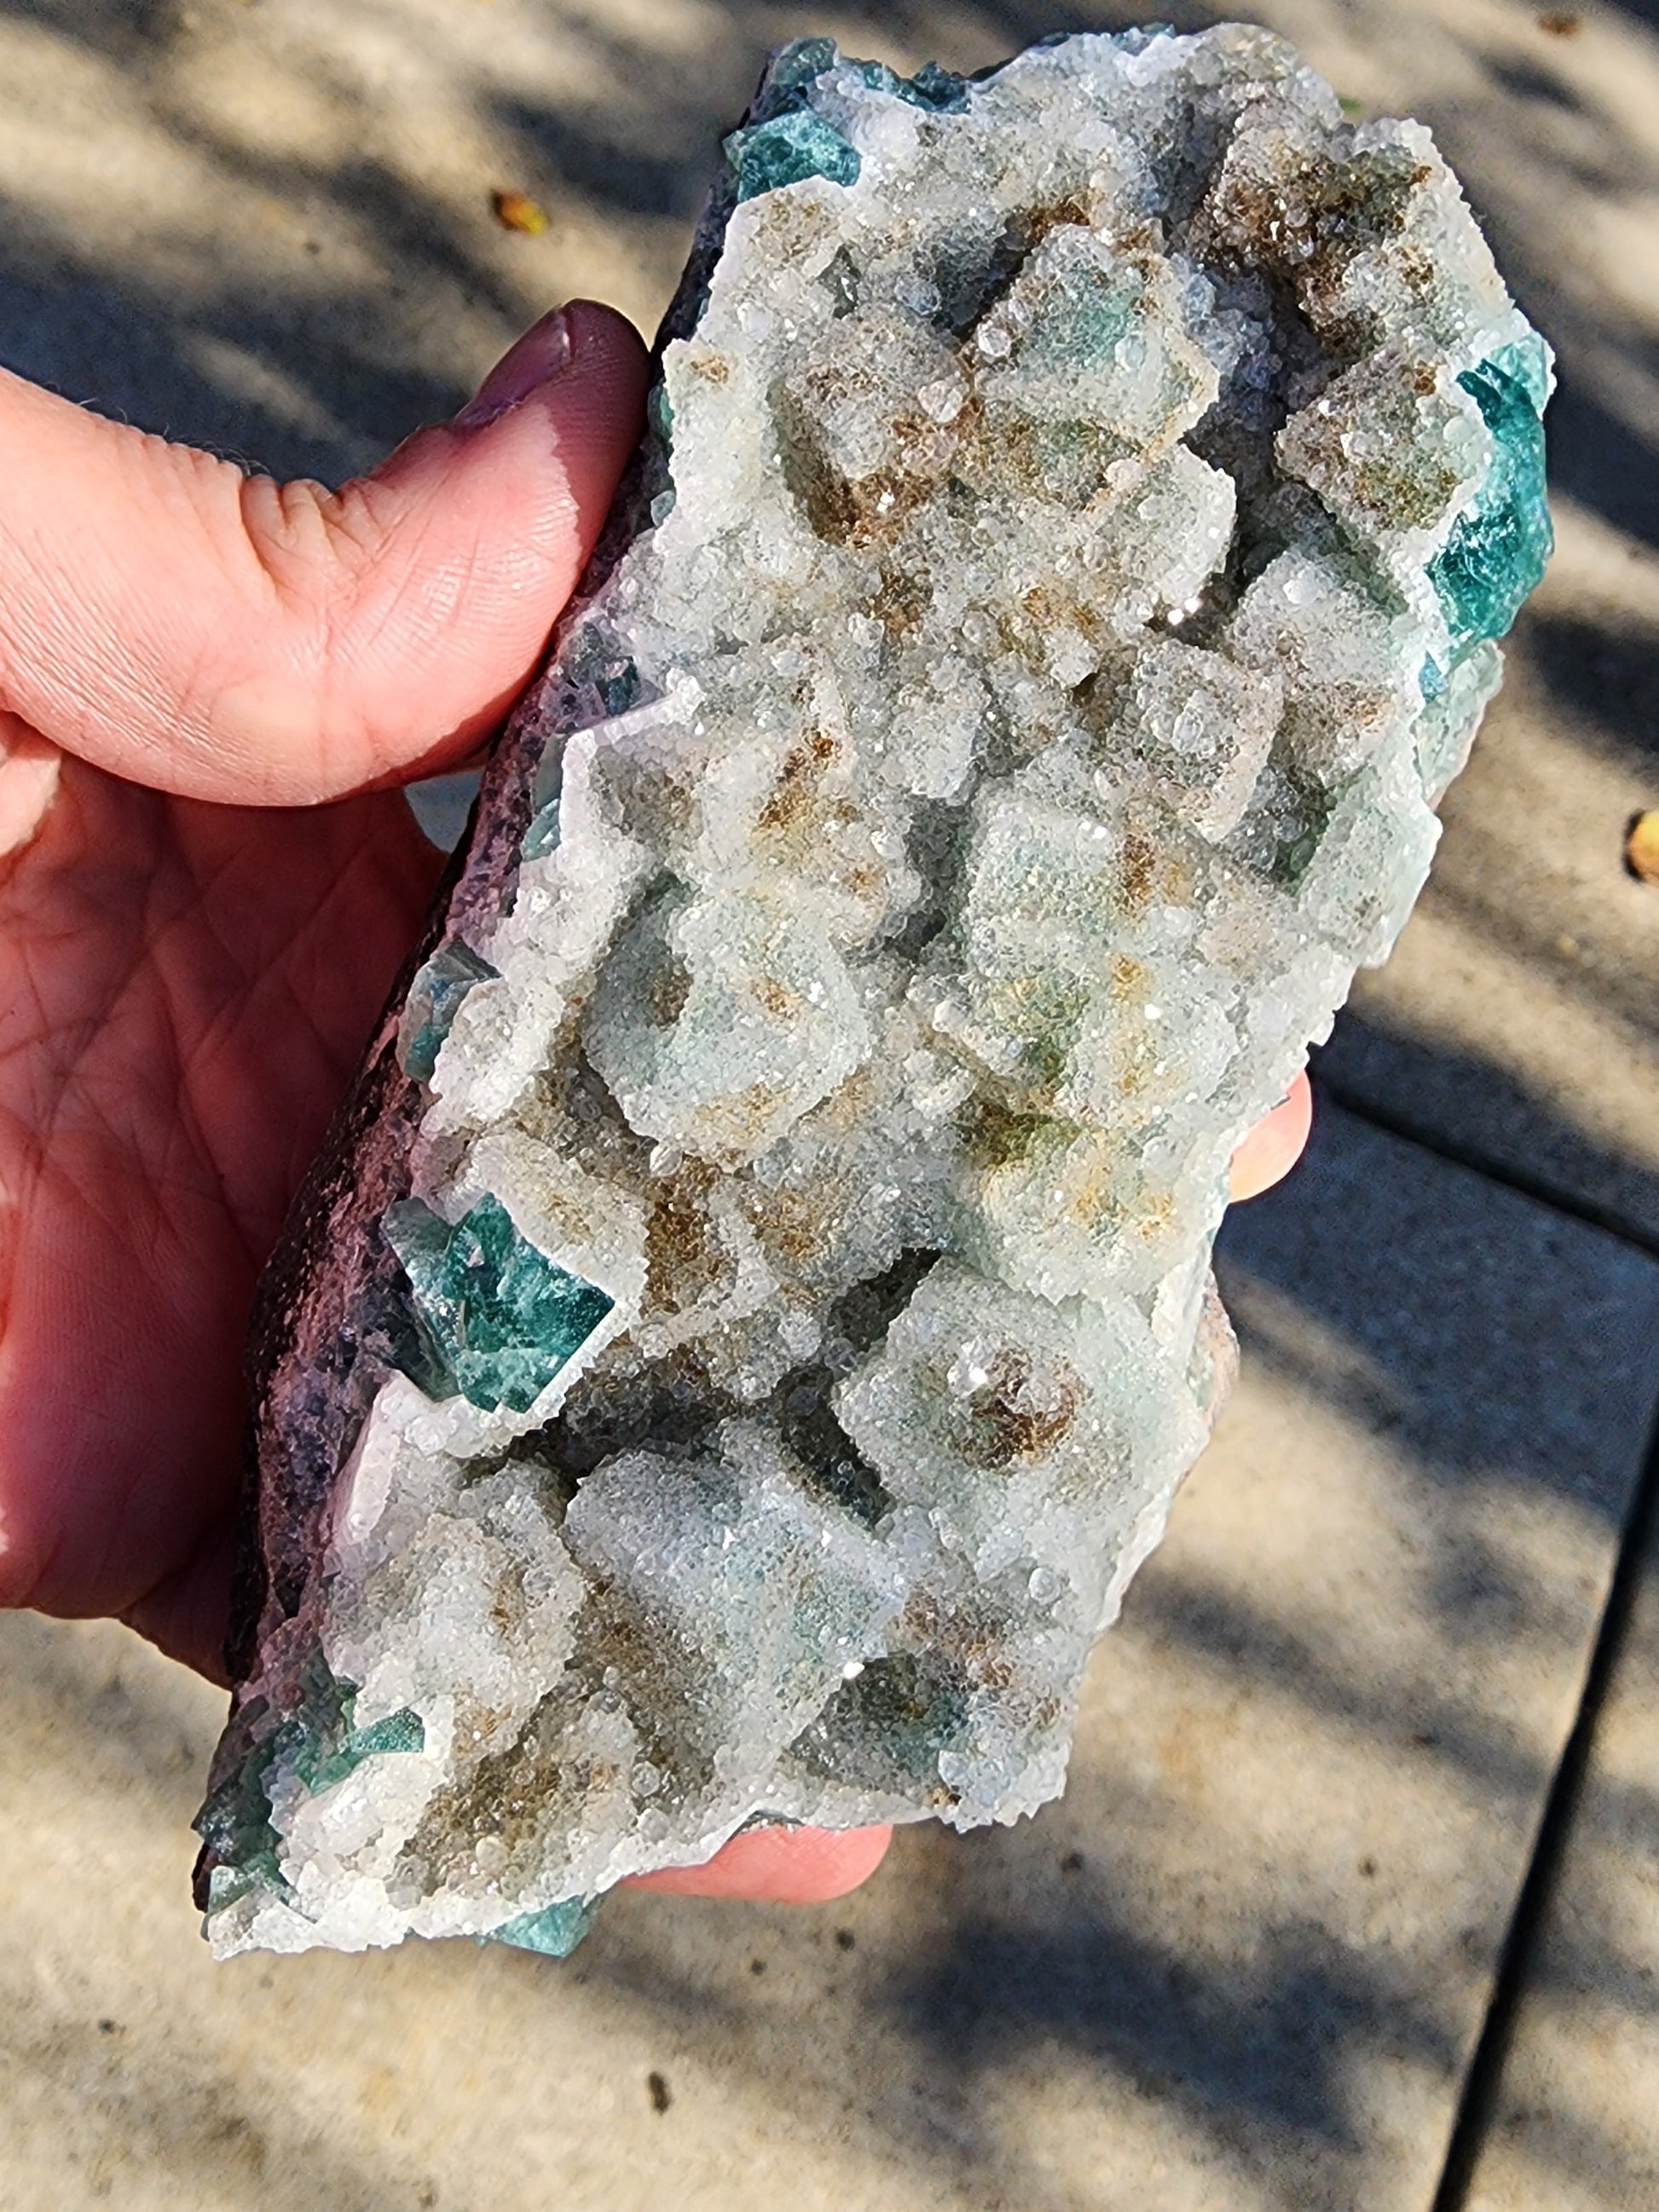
column 1642, row 846
column 518, row 211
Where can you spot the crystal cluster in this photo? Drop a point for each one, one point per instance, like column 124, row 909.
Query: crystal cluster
column 756, row 1308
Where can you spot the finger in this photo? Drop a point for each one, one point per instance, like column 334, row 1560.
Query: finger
column 780, row 1866
column 29, row 781
column 1273, row 1147
column 231, row 638
column 188, row 1612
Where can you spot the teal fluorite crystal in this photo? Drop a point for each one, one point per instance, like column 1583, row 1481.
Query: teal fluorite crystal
column 786, row 151
column 399, row 1731
column 318, row 1743
column 542, row 835
column 1498, row 551
column 791, row 75
column 497, row 1318
column 555, row 1932
column 434, row 1000
column 1092, row 325
column 931, row 86
column 788, row 142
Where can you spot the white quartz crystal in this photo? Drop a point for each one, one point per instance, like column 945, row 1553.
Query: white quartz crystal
column 1055, row 593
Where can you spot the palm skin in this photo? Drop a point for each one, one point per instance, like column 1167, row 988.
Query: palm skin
column 184, row 990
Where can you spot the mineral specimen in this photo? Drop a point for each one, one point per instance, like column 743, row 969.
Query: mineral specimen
column 756, row 1308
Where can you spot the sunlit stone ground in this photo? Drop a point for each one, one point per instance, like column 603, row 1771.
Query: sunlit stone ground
column 1250, row 1962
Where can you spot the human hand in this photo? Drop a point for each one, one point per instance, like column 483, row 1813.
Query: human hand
column 194, row 947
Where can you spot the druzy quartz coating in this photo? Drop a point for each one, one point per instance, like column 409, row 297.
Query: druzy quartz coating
column 755, row 1309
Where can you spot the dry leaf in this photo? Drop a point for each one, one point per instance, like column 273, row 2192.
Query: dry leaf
column 518, row 211
column 1642, row 846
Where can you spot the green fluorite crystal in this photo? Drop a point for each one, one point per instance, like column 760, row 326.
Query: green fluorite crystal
column 498, row 1319
column 786, row 141
column 1497, row 549
column 400, row 1731
column 931, row 86
column 554, row 1931
column 786, row 151
column 319, row 1745
column 434, row 1000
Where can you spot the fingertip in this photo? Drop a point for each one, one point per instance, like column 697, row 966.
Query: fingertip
column 585, row 368
column 601, row 333
column 1275, row 1144
column 780, row 1866
column 501, row 508
column 594, row 408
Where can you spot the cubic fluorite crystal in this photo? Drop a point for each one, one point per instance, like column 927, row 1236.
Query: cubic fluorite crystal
column 756, row 1308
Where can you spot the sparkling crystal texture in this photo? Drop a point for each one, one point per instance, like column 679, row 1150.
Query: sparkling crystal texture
column 755, row 1309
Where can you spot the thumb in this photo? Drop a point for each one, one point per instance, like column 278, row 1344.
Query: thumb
column 227, row 637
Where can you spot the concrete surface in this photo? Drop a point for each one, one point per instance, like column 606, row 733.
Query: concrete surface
column 1251, row 1960
column 1574, row 2122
